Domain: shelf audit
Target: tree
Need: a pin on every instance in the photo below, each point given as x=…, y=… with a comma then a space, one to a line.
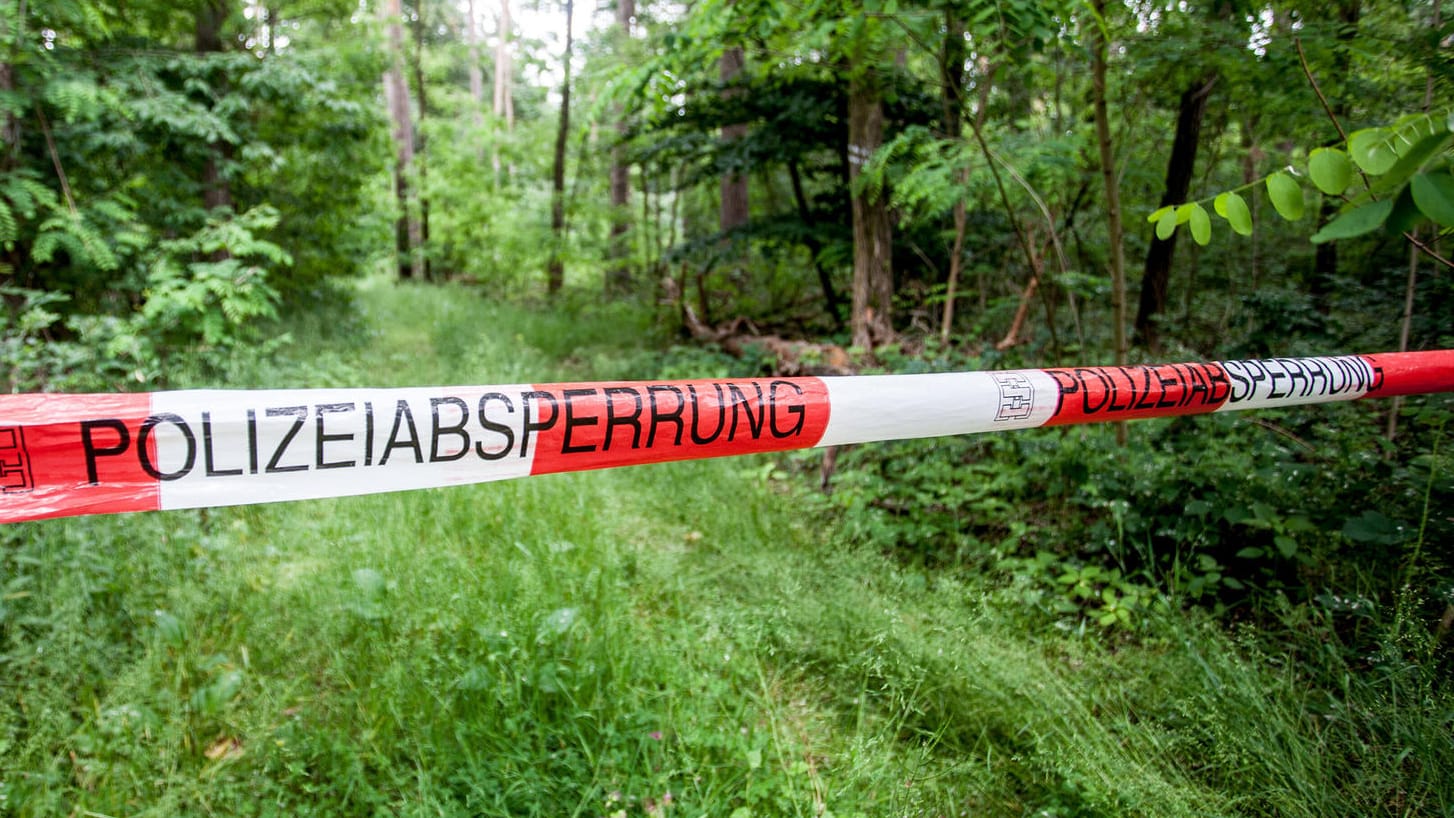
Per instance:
x=408, y=235
x=555, y=267
x=618, y=276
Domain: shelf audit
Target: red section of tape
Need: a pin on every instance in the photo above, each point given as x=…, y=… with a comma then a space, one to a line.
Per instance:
x=599, y=425
x=62, y=455
x=1093, y=394
x=1411, y=373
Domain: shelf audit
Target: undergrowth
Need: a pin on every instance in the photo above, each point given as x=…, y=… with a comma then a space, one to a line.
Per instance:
x=706, y=638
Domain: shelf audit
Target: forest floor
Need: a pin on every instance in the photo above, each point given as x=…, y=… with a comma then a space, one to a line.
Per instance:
x=669, y=640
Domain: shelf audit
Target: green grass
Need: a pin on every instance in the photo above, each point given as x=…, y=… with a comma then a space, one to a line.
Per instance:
x=583, y=645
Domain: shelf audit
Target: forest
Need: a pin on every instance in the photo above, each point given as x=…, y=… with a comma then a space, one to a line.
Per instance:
x=1244, y=614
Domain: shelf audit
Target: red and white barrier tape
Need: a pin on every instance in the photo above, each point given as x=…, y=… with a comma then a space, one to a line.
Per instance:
x=63, y=455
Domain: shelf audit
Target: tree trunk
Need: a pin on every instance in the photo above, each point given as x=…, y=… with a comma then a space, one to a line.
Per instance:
x=735, y=210
x=951, y=74
x=1179, y=170
x=618, y=277
x=873, y=276
x=831, y=299
x=1113, y=191
x=476, y=74
x=407, y=234
x=555, y=268
x=421, y=156
x=504, y=100
x=216, y=190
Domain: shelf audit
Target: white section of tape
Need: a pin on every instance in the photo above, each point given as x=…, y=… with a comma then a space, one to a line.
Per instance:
x=1296, y=381
x=890, y=407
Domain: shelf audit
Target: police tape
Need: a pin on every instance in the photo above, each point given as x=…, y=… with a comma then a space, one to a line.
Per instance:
x=63, y=455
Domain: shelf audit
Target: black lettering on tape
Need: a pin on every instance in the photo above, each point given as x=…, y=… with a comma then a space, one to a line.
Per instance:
x=143, y=446
x=402, y=417
x=795, y=409
x=208, y=457
x=697, y=438
x=740, y=401
x=658, y=416
x=571, y=421
x=497, y=428
x=538, y=425
x=299, y=414
x=633, y=419
x=457, y=430
x=93, y=451
x=325, y=437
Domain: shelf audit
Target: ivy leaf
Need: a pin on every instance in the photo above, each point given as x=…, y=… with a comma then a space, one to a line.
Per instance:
x=1286, y=195
x=1166, y=225
x=1371, y=150
x=1233, y=208
x=1201, y=225
x=1330, y=170
x=1362, y=219
x=1434, y=194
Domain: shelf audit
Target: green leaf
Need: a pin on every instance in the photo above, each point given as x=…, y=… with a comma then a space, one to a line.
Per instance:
x=1411, y=160
x=1330, y=170
x=1286, y=546
x=1201, y=225
x=1286, y=195
x=1233, y=208
x=1153, y=218
x=1434, y=194
x=1405, y=213
x=1356, y=222
x=1371, y=150
x=1166, y=225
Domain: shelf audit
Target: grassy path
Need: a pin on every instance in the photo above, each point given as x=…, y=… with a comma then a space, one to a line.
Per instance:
x=667, y=640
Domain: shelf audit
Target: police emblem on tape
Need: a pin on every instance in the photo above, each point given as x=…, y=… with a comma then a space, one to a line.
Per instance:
x=14, y=464
x=1017, y=396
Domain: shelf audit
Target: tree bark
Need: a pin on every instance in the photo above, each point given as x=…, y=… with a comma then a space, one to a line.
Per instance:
x=735, y=204
x=1113, y=191
x=555, y=268
x=873, y=276
x=476, y=74
x=407, y=234
x=504, y=100
x=618, y=277
x=216, y=191
x=421, y=155
x=951, y=74
x=1179, y=169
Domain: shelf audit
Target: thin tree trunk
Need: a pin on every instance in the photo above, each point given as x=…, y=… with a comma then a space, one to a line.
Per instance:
x=216, y=191
x=504, y=100
x=1113, y=192
x=1179, y=170
x=951, y=73
x=407, y=234
x=555, y=268
x=421, y=156
x=476, y=74
x=873, y=277
x=618, y=277
x=735, y=204
x=831, y=299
